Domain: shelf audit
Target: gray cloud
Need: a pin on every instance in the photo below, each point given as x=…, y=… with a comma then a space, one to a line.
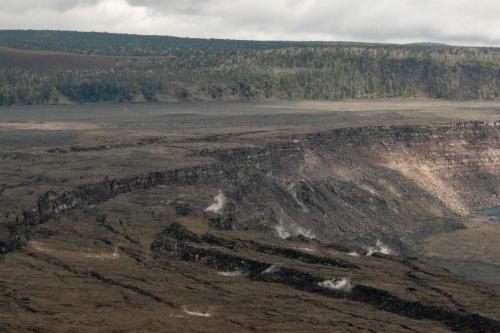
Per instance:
x=452, y=21
x=55, y=5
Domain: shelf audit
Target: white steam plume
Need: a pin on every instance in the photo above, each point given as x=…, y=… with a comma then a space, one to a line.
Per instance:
x=197, y=313
x=353, y=254
x=219, y=203
x=231, y=274
x=307, y=249
x=379, y=248
x=287, y=231
x=343, y=284
x=272, y=269
x=304, y=232
x=282, y=233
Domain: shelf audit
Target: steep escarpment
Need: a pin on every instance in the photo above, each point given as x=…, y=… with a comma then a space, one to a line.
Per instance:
x=396, y=184
x=354, y=186
x=120, y=68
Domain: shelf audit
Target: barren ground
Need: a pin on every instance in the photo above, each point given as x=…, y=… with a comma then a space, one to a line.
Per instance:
x=118, y=266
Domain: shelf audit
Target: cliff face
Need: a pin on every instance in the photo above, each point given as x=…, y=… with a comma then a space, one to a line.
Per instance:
x=151, y=68
x=396, y=184
x=354, y=185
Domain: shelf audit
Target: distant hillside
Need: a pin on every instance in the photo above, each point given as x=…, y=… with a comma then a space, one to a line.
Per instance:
x=50, y=60
x=132, y=45
x=52, y=66
x=428, y=44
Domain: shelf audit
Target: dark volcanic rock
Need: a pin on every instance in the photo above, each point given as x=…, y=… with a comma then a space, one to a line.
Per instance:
x=178, y=243
x=303, y=188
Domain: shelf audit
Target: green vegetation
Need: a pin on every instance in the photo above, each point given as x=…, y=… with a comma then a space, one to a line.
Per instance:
x=134, y=45
x=182, y=68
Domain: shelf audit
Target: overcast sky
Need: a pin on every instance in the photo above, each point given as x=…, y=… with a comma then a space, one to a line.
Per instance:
x=471, y=22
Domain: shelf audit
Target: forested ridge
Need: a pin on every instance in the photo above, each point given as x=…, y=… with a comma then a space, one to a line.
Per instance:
x=157, y=68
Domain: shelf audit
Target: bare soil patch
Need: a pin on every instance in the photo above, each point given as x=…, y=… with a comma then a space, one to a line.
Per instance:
x=49, y=126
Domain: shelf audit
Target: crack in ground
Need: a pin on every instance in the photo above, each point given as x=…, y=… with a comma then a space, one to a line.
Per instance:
x=91, y=273
x=168, y=245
